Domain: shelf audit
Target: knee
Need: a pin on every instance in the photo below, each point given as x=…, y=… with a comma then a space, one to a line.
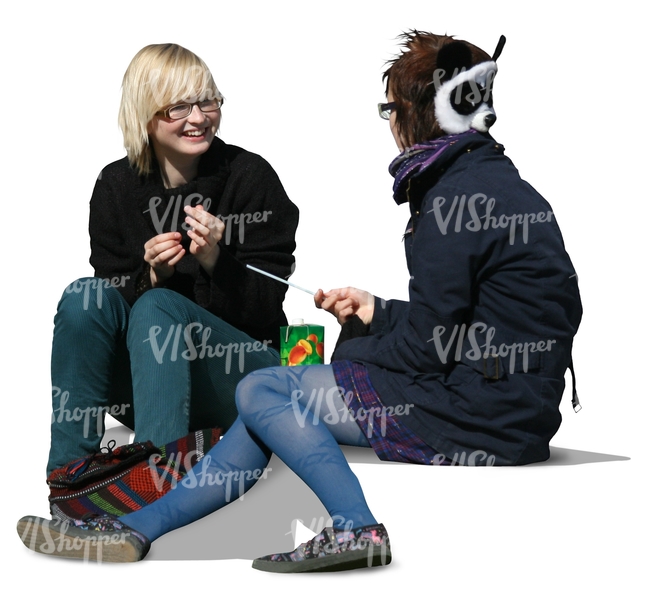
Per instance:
x=156, y=307
x=160, y=300
x=86, y=299
x=248, y=396
x=153, y=298
x=157, y=314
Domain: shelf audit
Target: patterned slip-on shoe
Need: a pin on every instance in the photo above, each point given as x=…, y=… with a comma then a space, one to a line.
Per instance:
x=101, y=539
x=333, y=550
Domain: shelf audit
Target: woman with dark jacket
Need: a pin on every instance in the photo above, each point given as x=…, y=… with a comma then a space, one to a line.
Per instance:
x=470, y=370
x=172, y=319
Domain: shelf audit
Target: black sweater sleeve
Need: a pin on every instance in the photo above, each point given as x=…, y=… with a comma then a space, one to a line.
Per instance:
x=112, y=254
x=261, y=223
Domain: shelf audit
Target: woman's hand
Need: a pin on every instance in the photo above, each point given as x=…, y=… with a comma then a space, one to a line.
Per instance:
x=162, y=253
x=206, y=232
x=345, y=302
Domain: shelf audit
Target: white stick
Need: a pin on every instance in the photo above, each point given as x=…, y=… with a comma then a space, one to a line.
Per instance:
x=282, y=280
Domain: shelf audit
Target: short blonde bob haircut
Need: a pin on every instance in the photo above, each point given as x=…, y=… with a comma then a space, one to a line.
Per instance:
x=158, y=76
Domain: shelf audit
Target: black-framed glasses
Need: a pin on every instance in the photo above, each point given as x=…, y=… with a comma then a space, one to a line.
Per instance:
x=385, y=109
x=184, y=109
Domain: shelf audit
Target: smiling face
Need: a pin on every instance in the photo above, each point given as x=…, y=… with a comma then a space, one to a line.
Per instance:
x=183, y=139
x=160, y=76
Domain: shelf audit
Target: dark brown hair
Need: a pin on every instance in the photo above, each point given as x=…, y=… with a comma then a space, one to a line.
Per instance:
x=410, y=78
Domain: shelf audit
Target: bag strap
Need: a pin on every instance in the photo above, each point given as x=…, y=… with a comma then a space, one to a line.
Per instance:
x=577, y=407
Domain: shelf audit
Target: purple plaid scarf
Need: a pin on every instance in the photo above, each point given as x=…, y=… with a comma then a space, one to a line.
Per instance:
x=416, y=159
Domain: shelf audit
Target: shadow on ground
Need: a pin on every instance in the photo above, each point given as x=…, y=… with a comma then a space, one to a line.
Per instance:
x=256, y=524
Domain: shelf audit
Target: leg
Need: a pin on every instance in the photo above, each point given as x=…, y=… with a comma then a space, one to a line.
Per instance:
x=89, y=366
x=225, y=473
x=186, y=364
x=299, y=413
x=298, y=433
x=243, y=455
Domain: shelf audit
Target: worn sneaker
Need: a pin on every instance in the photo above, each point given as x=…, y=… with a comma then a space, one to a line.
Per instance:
x=101, y=539
x=333, y=550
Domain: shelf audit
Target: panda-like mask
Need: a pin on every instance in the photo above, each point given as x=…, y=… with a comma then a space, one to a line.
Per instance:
x=463, y=96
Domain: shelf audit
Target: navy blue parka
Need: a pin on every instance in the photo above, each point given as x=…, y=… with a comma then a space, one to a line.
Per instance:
x=481, y=348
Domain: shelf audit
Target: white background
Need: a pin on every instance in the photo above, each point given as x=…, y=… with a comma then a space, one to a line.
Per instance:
x=301, y=83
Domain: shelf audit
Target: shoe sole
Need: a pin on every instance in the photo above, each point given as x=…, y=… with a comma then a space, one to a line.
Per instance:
x=348, y=560
x=58, y=538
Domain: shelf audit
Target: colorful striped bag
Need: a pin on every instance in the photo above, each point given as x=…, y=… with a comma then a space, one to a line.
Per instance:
x=120, y=480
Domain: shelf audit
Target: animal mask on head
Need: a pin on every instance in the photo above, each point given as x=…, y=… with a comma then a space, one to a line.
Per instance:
x=463, y=90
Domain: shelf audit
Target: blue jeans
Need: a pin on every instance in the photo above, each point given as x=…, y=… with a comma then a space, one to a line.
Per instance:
x=163, y=368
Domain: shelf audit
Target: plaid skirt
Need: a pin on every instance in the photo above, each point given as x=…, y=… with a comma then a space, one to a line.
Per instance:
x=391, y=440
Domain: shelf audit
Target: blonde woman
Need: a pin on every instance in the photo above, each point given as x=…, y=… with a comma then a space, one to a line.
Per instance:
x=173, y=319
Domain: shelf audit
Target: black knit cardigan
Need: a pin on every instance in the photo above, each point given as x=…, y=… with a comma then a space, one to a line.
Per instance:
x=127, y=209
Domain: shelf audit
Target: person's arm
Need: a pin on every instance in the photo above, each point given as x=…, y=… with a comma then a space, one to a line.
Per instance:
x=260, y=231
x=359, y=312
x=111, y=256
x=162, y=253
x=205, y=233
x=421, y=335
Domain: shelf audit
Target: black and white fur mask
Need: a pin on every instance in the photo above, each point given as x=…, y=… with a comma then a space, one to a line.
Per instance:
x=463, y=95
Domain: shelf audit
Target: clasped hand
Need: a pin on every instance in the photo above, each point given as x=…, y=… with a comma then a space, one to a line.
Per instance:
x=163, y=251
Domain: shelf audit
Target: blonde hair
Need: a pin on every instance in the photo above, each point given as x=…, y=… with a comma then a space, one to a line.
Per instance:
x=158, y=76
